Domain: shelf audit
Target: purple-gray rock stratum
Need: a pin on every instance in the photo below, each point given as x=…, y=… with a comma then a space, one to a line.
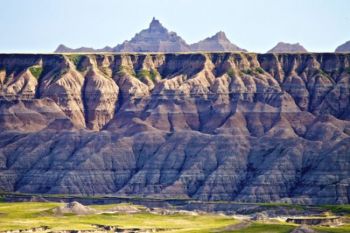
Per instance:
x=208, y=126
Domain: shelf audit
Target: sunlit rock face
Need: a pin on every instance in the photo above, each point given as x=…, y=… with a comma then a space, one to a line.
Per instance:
x=207, y=126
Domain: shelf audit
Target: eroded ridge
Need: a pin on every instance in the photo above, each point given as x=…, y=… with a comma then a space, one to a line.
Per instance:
x=211, y=126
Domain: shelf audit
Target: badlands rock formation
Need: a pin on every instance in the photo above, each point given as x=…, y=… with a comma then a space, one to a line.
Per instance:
x=218, y=42
x=156, y=38
x=208, y=126
x=344, y=48
x=282, y=47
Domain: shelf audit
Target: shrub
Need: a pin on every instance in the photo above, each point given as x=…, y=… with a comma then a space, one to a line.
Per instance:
x=148, y=74
x=36, y=71
x=153, y=74
x=76, y=59
x=231, y=72
x=143, y=73
x=259, y=70
x=247, y=71
x=125, y=70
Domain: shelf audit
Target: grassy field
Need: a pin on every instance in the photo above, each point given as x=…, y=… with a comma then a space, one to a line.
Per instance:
x=267, y=228
x=26, y=215
x=29, y=215
x=337, y=209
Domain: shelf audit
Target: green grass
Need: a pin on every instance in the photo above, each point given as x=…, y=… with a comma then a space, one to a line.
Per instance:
x=152, y=74
x=31, y=214
x=267, y=228
x=75, y=58
x=248, y=72
x=123, y=70
x=259, y=70
x=337, y=209
x=286, y=205
x=340, y=229
x=323, y=73
x=36, y=71
x=26, y=215
x=231, y=72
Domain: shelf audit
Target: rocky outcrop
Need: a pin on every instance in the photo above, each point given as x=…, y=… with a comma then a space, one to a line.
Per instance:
x=74, y=208
x=156, y=38
x=324, y=221
x=344, y=48
x=218, y=42
x=208, y=126
x=282, y=47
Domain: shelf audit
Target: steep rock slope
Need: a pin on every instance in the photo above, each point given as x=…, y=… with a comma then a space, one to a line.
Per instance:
x=208, y=126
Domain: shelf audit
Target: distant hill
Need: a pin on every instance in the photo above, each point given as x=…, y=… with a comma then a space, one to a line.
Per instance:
x=64, y=49
x=343, y=48
x=282, y=47
x=156, y=38
x=218, y=42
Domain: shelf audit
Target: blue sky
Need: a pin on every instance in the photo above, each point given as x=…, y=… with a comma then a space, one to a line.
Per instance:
x=256, y=25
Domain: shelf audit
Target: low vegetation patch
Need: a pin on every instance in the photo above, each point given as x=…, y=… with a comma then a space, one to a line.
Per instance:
x=340, y=229
x=36, y=71
x=259, y=70
x=248, y=72
x=76, y=59
x=231, y=72
x=337, y=209
x=124, y=70
x=152, y=74
x=285, y=205
x=34, y=214
x=270, y=228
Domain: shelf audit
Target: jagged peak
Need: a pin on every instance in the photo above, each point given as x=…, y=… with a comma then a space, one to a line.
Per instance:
x=220, y=35
x=61, y=46
x=155, y=25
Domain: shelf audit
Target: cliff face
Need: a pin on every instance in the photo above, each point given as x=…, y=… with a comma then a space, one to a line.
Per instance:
x=220, y=126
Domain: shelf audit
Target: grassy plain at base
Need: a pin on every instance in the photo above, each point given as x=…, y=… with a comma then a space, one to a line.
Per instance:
x=32, y=214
